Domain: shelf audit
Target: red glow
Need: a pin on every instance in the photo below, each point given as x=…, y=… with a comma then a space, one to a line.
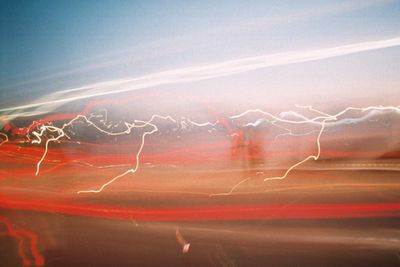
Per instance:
x=228, y=212
x=23, y=235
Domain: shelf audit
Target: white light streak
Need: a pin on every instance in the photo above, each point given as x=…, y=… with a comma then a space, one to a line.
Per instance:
x=192, y=74
x=322, y=121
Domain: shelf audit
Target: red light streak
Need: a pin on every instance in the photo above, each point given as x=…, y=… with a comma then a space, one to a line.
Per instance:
x=23, y=236
x=225, y=212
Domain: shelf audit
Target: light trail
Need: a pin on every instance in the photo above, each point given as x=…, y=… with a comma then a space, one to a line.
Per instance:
x=325, y=118
x=48, y=133
x=133, y=170
x=290, y=133
x=5, y=140
x=61, y=133
x=129, y=127
x=38, y=135
x=207, y=213
x=22, y=235
x=191, y=74
x=314, y=157
x=322, y=120
x=314, y=110
x=182, y=241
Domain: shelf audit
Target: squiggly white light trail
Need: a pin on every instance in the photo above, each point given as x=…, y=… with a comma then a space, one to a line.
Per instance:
x=133, y=170
x=61, y=133
x=325, y=118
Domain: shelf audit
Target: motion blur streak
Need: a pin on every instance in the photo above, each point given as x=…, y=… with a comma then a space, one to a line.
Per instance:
x=190, y=74
x=22, y=236
x=237, y=212
x=200, y=133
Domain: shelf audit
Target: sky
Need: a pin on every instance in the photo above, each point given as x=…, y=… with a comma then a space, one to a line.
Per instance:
x=47, y=47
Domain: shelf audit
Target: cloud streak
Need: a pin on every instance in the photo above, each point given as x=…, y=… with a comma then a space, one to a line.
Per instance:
x=191, y=74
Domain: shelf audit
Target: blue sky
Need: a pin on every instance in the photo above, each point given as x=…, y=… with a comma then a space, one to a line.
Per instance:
x=55, y=45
